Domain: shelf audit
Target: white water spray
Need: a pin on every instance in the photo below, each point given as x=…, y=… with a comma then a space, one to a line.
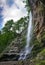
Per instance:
x=27, y=48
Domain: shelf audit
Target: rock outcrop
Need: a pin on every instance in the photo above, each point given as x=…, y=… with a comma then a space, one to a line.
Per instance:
x=38, y=13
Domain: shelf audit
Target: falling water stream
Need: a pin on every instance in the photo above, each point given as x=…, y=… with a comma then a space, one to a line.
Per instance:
x=27, y=48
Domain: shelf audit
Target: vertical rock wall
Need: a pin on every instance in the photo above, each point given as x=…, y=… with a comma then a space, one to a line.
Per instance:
x=38, y=17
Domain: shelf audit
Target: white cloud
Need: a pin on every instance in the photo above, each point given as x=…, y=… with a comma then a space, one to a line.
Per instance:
x=15, y=12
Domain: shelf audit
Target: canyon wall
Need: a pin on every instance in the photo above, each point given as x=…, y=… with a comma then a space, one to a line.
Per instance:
x=38, y=13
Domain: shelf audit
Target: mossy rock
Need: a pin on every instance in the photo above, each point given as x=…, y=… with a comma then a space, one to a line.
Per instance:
x=41, y=63
x=41, y=55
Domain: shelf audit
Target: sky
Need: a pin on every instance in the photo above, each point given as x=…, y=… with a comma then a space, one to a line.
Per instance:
x=11, y=9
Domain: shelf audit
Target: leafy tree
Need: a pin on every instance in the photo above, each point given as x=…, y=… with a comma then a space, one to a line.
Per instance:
x=5, y=40
x=0, y=32
x=22, y=23
x=8, y=35
x=8, y=25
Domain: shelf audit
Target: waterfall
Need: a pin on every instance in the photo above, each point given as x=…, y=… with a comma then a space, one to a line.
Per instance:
x=27, y=48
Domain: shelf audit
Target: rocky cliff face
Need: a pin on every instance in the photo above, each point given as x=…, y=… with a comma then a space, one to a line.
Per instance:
x=38, y=14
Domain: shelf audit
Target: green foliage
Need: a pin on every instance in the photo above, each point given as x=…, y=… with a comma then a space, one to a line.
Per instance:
x=8, y=34
x=20, y=24
x=5, y=40
x=41, y=62
x=38, y=46
x=8, y=26
x=42, y=54
x=28, y=6
x=0, y=32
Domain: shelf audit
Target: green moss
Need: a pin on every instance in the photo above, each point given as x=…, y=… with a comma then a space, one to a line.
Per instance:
x=41, y=63
x=42, y=52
